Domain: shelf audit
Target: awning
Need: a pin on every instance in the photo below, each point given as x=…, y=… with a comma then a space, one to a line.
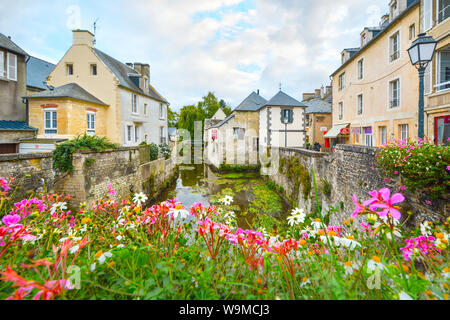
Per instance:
x=336, y=130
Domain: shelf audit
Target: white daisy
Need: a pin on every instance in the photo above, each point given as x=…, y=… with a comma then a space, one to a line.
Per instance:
x=227, y=200
x=139, y=198
x=61, y=206
x=297, y=216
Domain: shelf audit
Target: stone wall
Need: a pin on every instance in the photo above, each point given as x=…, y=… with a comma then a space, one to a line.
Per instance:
x=349, y=170
x=128, y=170
x=30, y=171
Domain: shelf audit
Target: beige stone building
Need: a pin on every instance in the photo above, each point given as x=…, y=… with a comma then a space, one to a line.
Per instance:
x=435, y=22
x=93, y=93
x=376, y=89
x=318, y=115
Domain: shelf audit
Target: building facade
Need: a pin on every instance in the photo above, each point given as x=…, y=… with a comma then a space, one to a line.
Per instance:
x=13, y=111
x=318, y=116
x=434, y=20
x=376, y=89
x=118, y=100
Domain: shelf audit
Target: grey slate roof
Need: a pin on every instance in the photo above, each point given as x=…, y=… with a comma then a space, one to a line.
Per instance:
x=122, y=72
x=15, y=125
x=7, y=44
x=221, y=123
x=71, y=90
x=37, y=72
x=384, y=28
x=317, y=106
x=284, y=100
x=252, y=103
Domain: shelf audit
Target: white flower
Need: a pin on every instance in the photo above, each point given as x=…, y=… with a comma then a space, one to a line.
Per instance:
x=350, y=267
x=101, y=259
x=227, y=200
x=305, y=282
x=58, y=206
x=230, y=215
x=180, y=213
x=70, y=235
x=119, y=238
x=74, y=249
x=317, y=225
x=346, y=242
x=297, y=216
x=139, y=198
x=372, y=265
x=425, y=228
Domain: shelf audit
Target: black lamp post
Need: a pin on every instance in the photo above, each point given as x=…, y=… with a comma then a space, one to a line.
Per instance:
x=421, y=53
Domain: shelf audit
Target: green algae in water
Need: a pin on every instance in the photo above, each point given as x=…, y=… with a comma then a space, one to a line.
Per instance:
x=266, y=200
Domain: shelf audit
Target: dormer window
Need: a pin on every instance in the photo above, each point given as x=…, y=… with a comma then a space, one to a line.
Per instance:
x=394, y=10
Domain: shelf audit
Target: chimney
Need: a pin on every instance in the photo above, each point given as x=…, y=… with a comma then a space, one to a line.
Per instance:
x=384, y=19
x=317, y=92
x=257, y=92
x=322, y=92
x=328, y=90
x=83, y=37
x=130, y=65
x=142, y=68
x=9, y=37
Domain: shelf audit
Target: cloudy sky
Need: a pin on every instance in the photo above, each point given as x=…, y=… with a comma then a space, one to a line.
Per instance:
x=231, y=47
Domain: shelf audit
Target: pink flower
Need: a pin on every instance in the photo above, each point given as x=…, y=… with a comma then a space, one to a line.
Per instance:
x=386, y=180
x=388, y=204
x=111, y=191
x=448, y=168
x=428, y=202
x=424, y=244
x=402, y=188
x=359, y=208
x=4, y=184
x=396, y=172
x=11, y=219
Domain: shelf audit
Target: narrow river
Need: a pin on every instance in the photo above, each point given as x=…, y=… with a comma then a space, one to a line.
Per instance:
x=252, y=196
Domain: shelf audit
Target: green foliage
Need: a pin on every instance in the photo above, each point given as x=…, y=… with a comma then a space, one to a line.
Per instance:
x=325, y=188
x=89, y=162
x=172, y=117
x=295, y=171
x=421, y=165
x=63, y=153
x=154, y=152
x=238, y=168
x=164, y=149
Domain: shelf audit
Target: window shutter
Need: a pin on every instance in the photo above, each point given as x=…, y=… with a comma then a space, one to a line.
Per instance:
x=291, y=116
x=12, y=66
x=2, y=64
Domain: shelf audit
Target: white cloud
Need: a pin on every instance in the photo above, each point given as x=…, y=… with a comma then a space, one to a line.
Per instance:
x=200, y=45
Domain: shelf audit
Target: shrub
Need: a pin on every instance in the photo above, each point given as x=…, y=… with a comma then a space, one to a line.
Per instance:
x=63, y=153
x=421, y=165
x=154, y=151
x=165, y=151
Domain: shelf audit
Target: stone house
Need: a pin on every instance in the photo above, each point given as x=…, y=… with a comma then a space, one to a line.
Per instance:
x=234, y=140
x=13, y=113
x=318, y=115
x=282, y=122
x=436, y=23
x=109, y=98
x=376, y=89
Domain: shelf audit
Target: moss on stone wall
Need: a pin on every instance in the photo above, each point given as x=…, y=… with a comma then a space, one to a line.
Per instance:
x=295, y=171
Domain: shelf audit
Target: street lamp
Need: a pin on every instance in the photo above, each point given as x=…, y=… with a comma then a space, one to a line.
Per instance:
x=421, y=53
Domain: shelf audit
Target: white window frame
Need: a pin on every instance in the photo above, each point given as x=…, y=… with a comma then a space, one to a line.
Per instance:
x=399, y=46
x=383, y=138
x=360, y=71
x=134, y=104
x=136, y=133
x=360, y=105
x=161, y=111
x=129, y=133
x=2, y=65
x=91, y=131
x=390, y=95
x=402, y=132
x=341, y=80
x=53, y=114
x=341, y=110
x=440, y=86
x=427, y=13
x=366, y=136
x=11, y=75
x=437, y=12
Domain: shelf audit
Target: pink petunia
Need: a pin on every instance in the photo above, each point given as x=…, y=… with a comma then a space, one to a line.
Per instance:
x=11, y=219
x=358, y=208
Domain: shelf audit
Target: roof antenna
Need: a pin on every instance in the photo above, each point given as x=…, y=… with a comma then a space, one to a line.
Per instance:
x=95, y=30
x=280, y=86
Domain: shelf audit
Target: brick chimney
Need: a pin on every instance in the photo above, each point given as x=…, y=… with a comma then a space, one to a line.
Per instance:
x=307, y=96
x=318, y=93
x=83, y=37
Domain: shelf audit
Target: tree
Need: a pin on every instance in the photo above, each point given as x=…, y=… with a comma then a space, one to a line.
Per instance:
x=172, y=117
x=225, y=107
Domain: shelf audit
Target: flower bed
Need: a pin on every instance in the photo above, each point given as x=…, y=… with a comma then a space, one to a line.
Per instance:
x=121, y=250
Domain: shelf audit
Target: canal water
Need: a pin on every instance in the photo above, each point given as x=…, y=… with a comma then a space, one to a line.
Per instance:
x=252, y=196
